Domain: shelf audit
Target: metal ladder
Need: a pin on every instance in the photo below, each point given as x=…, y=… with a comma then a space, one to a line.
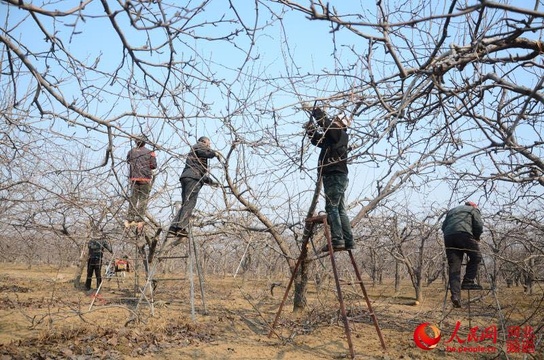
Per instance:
x=311, y=221
x=147, y=291
x=470, y=314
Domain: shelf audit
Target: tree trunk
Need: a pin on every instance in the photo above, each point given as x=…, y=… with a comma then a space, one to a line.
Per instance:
x=301, y=282
x=418, y=287
x=397, y=277
x=79, y=270
x=301, y=277
x=373, y=271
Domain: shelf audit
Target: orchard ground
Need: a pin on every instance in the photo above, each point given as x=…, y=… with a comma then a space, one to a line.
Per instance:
x=43, y=316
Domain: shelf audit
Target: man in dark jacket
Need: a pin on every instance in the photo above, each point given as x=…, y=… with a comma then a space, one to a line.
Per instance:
x=142, y=161
x=332, y=138
x=193, y=177
x=94, y=262
x=462, y=229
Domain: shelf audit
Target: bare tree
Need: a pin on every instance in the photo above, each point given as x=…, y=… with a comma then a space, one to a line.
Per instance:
x=448, y=99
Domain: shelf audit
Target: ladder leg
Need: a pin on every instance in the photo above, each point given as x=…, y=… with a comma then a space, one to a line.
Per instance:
x=198, y=267
x=191, y=280
x=136, y=269
x=301, y=258
x=469, y=311
x=338, y=289
x=150, y=274
x=150, y=270
x=368, y=304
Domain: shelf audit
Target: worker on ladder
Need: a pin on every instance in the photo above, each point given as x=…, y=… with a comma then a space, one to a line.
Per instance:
x=332, y=138
x=194, y=176
x=462, y=229
x=142, y=161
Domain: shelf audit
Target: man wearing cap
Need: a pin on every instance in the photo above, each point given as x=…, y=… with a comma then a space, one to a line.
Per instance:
x=142, y=161
x=332, y=138
x=462, y=229
x=193, y=177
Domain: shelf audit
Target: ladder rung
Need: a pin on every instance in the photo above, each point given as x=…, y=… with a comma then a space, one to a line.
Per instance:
x=353, y=282
x=319, y=218
x=168, y=279
x=482, y=289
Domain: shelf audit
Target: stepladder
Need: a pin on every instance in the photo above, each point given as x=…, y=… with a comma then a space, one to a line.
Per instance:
x=479, y=302
x=162, y=256
x=158, y=259
x=331, y=253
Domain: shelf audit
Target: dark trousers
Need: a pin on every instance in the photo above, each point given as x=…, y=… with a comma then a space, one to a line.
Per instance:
x=94, y=265
x=138, y=201
x=456, y=246
x=335, y=186
x=189, y=195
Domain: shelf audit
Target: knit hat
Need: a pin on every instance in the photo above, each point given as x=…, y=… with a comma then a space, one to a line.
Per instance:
x=343, y=120
x=470, y=203
x=140, y=140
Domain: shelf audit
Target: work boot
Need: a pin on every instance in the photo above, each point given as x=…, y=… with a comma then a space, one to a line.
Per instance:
x=350, y=246
x=175, y=231
x=176, y=242
x=129, y=223
x=336, y=246
x=470, y=285
x=456, y=301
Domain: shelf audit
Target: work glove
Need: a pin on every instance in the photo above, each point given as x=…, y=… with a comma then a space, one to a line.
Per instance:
x=310, y=128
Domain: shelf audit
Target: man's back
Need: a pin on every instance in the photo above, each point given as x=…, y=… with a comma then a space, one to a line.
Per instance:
x=141, y=161
x=196, y=165
x=463, y=219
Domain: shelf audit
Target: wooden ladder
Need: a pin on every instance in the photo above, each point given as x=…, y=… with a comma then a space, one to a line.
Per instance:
x=311, y=221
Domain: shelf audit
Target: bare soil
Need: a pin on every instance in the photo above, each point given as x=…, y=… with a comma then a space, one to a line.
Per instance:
x=43, y=316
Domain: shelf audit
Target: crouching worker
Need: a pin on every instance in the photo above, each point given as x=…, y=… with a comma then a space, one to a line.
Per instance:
x=94, y=262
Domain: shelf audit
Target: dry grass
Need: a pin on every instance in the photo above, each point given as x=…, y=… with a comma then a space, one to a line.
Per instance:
x=44, y=316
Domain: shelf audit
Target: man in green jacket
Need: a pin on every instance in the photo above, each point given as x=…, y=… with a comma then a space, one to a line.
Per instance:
x=462, y=229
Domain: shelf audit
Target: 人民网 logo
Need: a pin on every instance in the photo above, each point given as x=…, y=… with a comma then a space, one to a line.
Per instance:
x=423, y=340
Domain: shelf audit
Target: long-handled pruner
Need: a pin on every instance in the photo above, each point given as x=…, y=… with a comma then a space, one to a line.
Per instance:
x=308, y=124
